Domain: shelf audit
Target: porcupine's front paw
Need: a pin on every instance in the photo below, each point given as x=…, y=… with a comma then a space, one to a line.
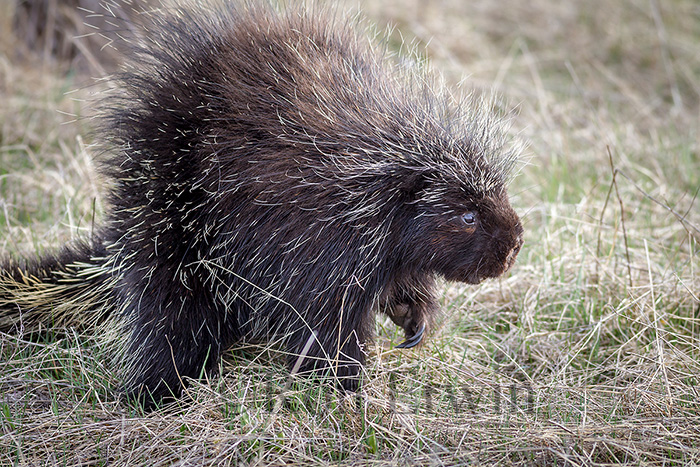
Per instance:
x=413, y=320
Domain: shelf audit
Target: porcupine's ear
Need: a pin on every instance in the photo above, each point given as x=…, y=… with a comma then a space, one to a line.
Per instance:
x=413, y=182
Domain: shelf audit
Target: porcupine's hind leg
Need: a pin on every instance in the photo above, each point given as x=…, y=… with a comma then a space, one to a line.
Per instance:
x=174, y=331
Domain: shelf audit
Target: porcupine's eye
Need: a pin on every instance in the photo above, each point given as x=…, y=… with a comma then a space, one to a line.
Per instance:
x=468, y=219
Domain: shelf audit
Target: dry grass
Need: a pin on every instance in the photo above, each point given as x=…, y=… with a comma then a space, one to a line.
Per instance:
x=586, y=354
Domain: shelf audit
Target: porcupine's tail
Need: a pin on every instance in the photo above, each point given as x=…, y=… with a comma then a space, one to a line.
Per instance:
x=73, y=288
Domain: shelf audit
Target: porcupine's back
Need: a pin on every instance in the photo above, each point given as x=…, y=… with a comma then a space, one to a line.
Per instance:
x=246, y=97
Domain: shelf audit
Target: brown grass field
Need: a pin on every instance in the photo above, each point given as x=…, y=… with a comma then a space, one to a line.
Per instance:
x=587, y=353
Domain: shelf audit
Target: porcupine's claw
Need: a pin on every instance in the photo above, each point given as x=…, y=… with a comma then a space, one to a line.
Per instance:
x=414, y=340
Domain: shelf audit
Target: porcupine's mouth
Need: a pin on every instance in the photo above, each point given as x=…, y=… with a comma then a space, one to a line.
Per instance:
x=475, y=276
x=494, y=270
x=465, y=275
x=474, y=279
x=481, y=274
x=471, y=277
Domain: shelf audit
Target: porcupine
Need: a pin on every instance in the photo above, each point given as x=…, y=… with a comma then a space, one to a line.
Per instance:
x=275, y=176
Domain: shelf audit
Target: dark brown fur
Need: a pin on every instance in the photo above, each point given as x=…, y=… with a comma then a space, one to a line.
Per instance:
x=276, y=178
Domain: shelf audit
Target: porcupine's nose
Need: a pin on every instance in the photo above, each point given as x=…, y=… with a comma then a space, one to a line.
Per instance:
x=513, y=253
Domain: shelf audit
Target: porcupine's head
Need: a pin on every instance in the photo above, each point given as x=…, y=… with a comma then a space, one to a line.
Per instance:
x=462, y=226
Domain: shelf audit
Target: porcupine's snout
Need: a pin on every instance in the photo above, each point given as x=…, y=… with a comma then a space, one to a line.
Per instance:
x=513, y=253
x=507, y=248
